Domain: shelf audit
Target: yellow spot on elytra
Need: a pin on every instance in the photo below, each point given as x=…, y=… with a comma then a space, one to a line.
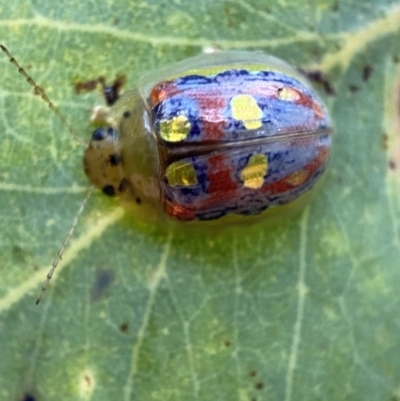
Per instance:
x=246, y=109
x=288, y=94
x=176, y=129
x=254, y=172
x=181, y=174
x=297, y=178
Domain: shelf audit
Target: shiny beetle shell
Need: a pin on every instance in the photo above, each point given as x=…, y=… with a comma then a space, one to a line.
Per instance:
x=229, y=133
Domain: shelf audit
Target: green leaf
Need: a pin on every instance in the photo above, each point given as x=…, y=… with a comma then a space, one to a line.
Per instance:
x=306, y=308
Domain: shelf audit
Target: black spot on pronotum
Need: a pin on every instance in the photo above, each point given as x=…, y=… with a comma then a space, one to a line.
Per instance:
x=367, y=71
x=99, y=134
x=115, y=159
x=126, y=114
x=124, y=327
x=109, y=190
x=123, y=185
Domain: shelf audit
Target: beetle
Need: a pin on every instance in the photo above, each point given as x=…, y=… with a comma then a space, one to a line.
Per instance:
x=227, y=133
x=222, y=134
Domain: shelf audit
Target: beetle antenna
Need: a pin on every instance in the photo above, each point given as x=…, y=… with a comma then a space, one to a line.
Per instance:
x=61, y=251
x=40, y=91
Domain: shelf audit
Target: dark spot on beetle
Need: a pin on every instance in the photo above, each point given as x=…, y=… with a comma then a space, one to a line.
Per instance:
x=385, y=139
x=99, y=134
x=109, y=190
x=253, y=373
x=126, y=114
x=124, y=327
x=104, y=279
x=123, y=185
x=115, y=159
x=335, y=7
x=367, y=71
x=138, y=201
x=392, y=165
x=28, y=397
x=227, y=343
x=320, y=78
x=259, y=386
x=354, y=88
x=111, y=132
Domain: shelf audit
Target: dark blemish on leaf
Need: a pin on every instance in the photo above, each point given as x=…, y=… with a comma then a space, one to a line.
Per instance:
x=104, y=279
x=138, y=201
x=253, y=373
x=253, y=399
x=124, y=327
x=320, y=78
x=354, y=88
x=116, y=21
x=115, y=159
x=335, y=7
x=227, y=343
x=396, y=59
x=392, y=165
x=384, y=142
x=367, y=71
x=28, y=397
x=86, y=86
x=234, y=16
x=19, y=253
x=87, y=382
x=259, y=386
x=126, y=114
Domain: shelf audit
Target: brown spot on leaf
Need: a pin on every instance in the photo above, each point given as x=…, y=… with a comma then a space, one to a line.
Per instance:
x=354, y=88
x=392, y=165
x=104, y=279
x=124, y=327
x=367, y=71
x=253, y=373
x=259, y=386
x=384, y=142
x=320, y=78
